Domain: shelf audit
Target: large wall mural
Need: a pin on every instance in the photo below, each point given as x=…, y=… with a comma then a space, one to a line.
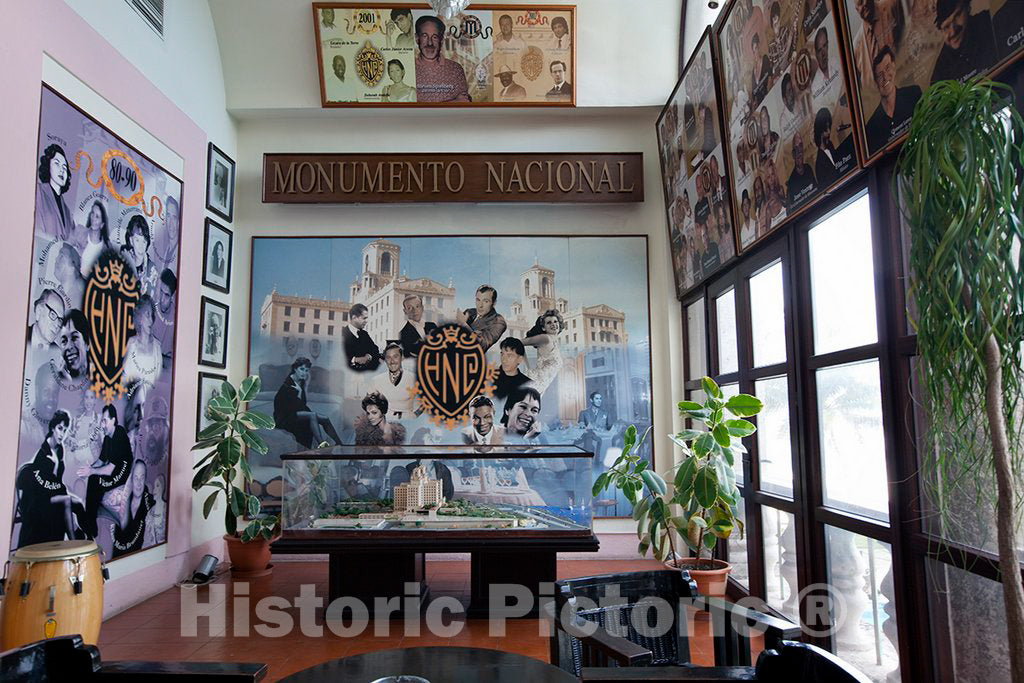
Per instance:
x=94, y=443
x=337, y=326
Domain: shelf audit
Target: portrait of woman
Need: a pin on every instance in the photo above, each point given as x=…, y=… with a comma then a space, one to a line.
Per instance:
x=544, y=337
x=218, y=261
x=143, y=358
x=398, y=90
x=129, y=532
x=156, y=524
x=708, y=125
x=136, y=250
x=53, y=217
x=763, y=219
x=521, y=414
x=373, y=428
x=97, y=237
x=46, y=508
x=293, y=414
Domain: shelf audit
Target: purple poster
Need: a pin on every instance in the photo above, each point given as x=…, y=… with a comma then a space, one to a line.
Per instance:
x=94, y=444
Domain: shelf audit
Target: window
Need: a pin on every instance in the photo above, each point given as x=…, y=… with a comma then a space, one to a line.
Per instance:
x=287, y=310
x=316, y=329
x=330, y=315
x=302, y=312
x=302, y=328
x=316, y=313
x=330, y=330
x=287, y=326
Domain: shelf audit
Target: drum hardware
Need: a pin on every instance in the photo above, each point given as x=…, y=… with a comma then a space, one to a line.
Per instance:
x=3, y=581
x=53, y=596
x=76, y=578
x=26, y=586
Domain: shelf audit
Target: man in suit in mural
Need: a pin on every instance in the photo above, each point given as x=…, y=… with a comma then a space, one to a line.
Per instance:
x=360, y=351
x=484, y=320
x=110, y=471
x=562, y=89
x=414, y=332
x=968, y=42
x=482, y=430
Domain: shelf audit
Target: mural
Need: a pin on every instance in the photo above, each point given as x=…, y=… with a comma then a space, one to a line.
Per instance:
x=338, y=325
x=94, y=443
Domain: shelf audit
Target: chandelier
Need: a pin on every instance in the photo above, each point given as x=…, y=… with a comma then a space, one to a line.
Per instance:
x=449, y=8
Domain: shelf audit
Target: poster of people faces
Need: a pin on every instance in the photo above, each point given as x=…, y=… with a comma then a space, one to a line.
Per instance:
x=407, y=54
x=697, y=193
x=788, y=122
x=900, y=47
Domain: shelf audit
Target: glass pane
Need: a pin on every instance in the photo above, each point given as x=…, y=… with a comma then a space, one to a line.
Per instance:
x=767, y=317
x=780, y=560
x=725, y=314
x=728, y=391
x=842, y=279
x=851, y=439
x=738, y=549
x=774, y=448
x=696, y=340
x=968, y=612
x=860, y=572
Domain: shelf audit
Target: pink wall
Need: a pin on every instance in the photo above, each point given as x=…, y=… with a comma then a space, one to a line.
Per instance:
x=29, y=29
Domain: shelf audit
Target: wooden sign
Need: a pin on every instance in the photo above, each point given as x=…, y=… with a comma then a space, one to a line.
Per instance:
x=395, y=178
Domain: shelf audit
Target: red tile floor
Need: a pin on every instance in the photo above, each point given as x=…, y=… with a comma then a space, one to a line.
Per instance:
x=152, y=629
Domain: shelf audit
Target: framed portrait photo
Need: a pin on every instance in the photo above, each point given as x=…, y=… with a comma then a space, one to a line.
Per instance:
x=697, y=193
x=213, y=337
x=220, y=182
x=897, y=48
x=406, y=55
x=209, y=386
x=789, y=127
x=217, y=243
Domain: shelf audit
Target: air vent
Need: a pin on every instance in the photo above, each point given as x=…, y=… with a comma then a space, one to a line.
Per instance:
x=152, y=11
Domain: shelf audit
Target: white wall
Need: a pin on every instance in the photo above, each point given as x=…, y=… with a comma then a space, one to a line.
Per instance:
x=185, y=66
x=618, y=130
x=626, y=52
x=698, y=17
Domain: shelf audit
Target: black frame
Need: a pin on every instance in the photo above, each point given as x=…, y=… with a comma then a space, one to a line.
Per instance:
x=210, y=223
x=210, y=149
x=204, y=376
x=206, y=302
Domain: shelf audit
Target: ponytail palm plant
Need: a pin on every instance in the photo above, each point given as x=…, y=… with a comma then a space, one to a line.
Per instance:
x=959, y=174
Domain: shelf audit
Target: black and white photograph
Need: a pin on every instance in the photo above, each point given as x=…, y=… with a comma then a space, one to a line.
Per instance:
x=220, y=182
x=217, y=243
x=209, y=387
x=213, y=337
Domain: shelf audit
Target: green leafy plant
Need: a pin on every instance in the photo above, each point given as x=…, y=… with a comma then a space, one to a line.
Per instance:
x=704, y=484
x=959, y=173
x=233, y=428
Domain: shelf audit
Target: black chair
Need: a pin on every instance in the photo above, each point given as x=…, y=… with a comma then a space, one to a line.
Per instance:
x=788, y=662
x=617, y=642
x=67, y=658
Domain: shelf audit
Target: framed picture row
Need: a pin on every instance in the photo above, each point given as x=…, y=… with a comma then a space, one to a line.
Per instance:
x=405, y=55
x=782, y=101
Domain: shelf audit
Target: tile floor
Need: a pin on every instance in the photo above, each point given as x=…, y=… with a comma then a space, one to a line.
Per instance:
x=152, y=630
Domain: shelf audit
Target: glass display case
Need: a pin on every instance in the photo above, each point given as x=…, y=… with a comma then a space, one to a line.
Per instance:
x=353, y=491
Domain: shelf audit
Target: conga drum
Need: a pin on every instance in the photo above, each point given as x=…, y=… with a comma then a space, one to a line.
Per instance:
x=53, y=589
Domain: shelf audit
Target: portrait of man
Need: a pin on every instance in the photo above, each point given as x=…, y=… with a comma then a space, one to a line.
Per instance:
x=338, y=66
x=595, y=423
x=414, y=333
x=895, y=106
x=510, y=377
x=163, y=325
x=108, y=472
x=560, y=28
x=488, y=324
x=395, y=383
x=826, y=76
x=562, y=89
x=220, y=183
x=508, y=89
x=884, y=25
x=747, y=225
x=213, y=335
x=830, y=162
x=482, y=431
x=760, y=77
x=438, y=79
x=506, y=42
x=795, y=110
x=327, y=18
x=709, y=256
x=401, y=19
x=48, y=311
x=1008, y=22
x=801, y=184
x=360, y=350
x=968, y=44
x=74, y=348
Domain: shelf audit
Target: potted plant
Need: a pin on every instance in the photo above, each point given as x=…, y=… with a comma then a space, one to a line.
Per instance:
x=959, y=173
x=704, y=486
x=232, y=429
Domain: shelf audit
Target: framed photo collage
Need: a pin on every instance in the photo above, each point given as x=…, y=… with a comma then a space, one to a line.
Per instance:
x=782, y=101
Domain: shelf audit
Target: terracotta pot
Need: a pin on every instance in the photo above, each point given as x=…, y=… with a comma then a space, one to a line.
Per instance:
x=249, y=560
x=711, y=583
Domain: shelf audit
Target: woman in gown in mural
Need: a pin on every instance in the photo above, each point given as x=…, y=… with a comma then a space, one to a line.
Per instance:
x=373, y=428
x=129, y=533
x=143, y=359
x=45, y=506
x=544, y=337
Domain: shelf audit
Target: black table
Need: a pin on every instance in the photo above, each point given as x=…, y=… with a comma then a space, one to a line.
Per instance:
x=437, y=665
